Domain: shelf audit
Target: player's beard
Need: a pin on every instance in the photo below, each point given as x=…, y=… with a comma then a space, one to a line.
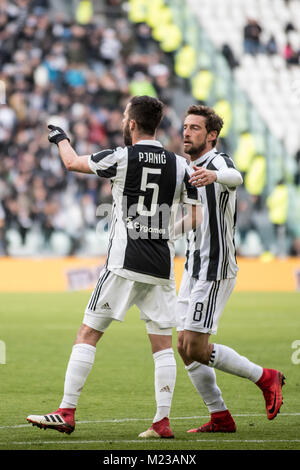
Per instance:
x=196, y=151
x=126, y=135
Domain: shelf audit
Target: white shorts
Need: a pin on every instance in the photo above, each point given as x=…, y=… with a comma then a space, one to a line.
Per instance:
x=201, y=303
x=114, y=295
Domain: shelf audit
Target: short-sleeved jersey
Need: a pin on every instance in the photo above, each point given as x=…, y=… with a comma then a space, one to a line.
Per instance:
x=211, y=253
x=148, y=184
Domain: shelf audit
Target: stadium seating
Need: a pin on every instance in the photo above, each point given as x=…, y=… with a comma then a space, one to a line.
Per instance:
x=267, y=71
x=78, y=68
x=271, y=83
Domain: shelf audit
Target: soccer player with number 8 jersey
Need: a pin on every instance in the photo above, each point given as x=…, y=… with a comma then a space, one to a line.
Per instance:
x=210, y=275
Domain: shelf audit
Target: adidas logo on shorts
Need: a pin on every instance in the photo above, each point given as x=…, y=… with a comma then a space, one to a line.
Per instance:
x=106, y=306
x=165, y=389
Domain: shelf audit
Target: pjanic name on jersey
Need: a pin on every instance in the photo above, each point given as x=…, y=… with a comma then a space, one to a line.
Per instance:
x=152, y=157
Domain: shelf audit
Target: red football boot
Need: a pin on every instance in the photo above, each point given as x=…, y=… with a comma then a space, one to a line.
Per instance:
x=271, y=383
x=62, y=420
x=220, y=421
x=159, y=429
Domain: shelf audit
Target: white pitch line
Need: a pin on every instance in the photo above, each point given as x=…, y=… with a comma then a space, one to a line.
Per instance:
x=125, y=420
x=148, y=441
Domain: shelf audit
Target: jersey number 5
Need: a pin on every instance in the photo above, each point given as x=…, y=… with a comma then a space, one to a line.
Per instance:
x=146, y=185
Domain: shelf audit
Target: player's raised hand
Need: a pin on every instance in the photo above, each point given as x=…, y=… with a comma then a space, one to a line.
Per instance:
x=56, y=134
x=202, y=177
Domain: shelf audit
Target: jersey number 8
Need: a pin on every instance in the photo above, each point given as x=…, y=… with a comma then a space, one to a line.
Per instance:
x=198, y=311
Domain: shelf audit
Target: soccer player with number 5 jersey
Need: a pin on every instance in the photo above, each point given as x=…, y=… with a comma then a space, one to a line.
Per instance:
x=148, y=185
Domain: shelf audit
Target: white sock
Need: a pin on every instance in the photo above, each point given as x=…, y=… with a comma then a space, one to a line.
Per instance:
x=228, y=360
x=79, y=366
x=165, y=377
x=204, y=380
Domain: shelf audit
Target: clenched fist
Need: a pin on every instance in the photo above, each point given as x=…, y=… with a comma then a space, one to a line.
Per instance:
x=57, y=134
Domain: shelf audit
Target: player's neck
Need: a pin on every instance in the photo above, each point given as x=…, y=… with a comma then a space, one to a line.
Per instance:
x=195, y=156
x=137, y=137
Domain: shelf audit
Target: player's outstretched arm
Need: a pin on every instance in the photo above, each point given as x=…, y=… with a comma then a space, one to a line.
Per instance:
x=224, y=175
x=69, y=157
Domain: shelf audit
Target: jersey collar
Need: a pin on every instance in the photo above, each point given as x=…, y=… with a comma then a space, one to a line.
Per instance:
x=207, y=156
x=156, y=143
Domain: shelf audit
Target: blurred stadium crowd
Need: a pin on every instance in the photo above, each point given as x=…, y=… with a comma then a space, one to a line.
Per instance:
x=78, y=75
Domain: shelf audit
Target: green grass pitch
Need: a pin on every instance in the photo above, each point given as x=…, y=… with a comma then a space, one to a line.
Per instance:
x=117, y=402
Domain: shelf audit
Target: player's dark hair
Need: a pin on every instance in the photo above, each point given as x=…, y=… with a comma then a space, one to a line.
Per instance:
x=147, y=112
x=213, y=122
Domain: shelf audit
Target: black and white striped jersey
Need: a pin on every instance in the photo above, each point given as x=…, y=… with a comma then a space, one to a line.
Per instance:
x=211, y=253
x=148, y=184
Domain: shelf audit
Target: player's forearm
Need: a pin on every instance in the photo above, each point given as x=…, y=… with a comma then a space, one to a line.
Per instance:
x=67, y=154
x=229, y=176
x=71, y=160
x=190, y=221
x=224, y=175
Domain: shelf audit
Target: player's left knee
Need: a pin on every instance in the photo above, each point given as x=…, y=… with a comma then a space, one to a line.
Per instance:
x=196, y=352
x=88, y=335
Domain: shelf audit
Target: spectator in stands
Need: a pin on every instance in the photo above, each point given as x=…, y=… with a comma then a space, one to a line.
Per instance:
x=297, y=174
x=277, y=203
x=229, y=56
x=289, y=27
x=143, y=35
x=271, y=46
x=252, y=33
x=290, y=54
x=246, y=206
